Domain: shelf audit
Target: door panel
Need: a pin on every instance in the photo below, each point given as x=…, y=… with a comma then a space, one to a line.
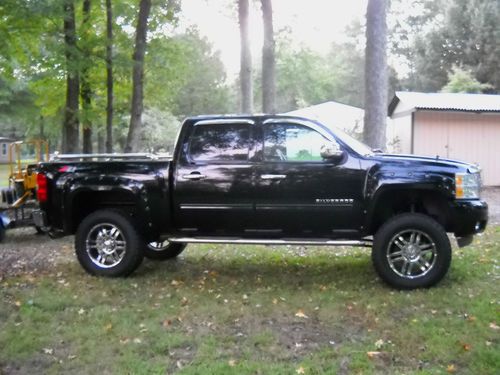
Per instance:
x=214, y=180
x=298, y=193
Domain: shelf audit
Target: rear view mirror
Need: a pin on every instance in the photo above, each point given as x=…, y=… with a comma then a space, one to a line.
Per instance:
x=331, y=151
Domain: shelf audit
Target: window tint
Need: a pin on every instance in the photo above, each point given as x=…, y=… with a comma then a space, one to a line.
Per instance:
x=290, y=142
x=229, y=142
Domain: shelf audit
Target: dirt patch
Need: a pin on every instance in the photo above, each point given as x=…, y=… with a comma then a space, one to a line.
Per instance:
x=25, y=251
x=492, y=196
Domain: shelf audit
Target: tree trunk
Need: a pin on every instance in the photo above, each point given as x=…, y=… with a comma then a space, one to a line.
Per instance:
x=376, y=75
x=268, y=60
x=109, y=76
x=86, y=91
x=135, y=126
x=71, y=123
x=100, y=141
x=245, y=59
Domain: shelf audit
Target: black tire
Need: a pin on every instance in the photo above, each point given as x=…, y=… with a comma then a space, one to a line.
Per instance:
x=163, y=250
x=2, y=233
x=118, y=249
x=407, y=262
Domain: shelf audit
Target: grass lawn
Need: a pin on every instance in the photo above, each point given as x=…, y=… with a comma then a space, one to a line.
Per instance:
x=255, y=310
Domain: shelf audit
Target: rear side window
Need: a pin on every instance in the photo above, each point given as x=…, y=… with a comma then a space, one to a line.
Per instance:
x=220, y=142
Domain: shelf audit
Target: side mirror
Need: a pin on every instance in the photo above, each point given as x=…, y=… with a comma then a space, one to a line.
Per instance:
x=331, y=151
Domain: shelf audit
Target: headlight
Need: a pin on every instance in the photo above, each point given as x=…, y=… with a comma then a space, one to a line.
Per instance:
x=467, y=185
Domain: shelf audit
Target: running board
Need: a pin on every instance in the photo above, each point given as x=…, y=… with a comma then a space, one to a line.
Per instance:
x=251, y=241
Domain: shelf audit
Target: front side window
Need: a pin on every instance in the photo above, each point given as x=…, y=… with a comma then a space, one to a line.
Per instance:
x=220, y=142
x=291, y=142
x=4, y=148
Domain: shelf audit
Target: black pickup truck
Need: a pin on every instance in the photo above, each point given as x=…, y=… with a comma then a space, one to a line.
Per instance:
x=263, y=180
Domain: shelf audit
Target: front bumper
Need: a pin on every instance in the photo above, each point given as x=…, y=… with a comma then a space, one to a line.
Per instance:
x=468, y=217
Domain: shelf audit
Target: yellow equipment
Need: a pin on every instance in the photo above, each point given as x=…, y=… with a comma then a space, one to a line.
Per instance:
x=22, y=178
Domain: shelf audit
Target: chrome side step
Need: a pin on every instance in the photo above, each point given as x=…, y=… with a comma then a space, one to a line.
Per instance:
x=252, y=241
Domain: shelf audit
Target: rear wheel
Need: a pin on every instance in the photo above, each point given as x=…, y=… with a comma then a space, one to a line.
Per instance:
x=107, y=244
x=163, y=250
x=411, y=251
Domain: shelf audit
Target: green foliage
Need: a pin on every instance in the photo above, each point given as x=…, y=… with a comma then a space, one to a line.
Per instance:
x=450, y=33
x=462, y=81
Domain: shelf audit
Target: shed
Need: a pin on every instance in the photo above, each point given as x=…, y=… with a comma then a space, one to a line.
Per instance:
x=456, y=126
x=4, y=149
x=339, y=115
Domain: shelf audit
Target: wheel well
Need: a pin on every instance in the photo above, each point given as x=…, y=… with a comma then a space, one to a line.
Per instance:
x=395, y=202
x=86, y=202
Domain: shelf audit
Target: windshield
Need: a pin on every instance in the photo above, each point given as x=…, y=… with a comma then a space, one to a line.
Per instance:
x=353, y=143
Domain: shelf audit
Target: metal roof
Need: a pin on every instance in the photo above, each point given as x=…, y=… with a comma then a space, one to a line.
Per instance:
x=446, y=101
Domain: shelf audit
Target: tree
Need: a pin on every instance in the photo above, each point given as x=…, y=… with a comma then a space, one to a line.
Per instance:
x=201, y=83
x=85, y=88
x=462, y=81
x=448, y=33
x=376, y=76
x=245, y=59
x=109, y=76
x=71, y=123
x=138, y=77
x=268, y=60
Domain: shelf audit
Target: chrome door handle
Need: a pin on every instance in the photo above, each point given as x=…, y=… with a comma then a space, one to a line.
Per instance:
x=194, y=176
x=273, y=176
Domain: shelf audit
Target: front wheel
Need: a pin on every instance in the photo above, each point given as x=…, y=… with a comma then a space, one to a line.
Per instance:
x=411, y=251
x=107, y=244
x=163, y=250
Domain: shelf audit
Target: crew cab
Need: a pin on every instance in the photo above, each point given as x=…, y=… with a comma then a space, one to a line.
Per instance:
x=263, y=180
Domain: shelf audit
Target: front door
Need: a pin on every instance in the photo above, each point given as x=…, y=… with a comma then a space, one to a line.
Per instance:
x=213, y=179
x=300, y=194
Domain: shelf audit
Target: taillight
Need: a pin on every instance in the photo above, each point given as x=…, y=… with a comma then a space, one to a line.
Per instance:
x=41, y=191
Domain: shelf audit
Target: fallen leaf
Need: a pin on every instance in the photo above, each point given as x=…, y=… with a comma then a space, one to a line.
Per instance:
x=48, y=350
x=372, y=355
x=166, y=323
x=466, y=347
x=232, y=362
x=70, y=357
x=322, y=288
x=471, y=318
x=184, y=301
x=245, y=296
x=81, y=311
x=300, y=314
x=108, y=327
x=175, y=283
x=494, y=326
x=137, y=340
x=451, y=368
x=300, y=370
x=17, y=303
x=275, y=301
x=379, y=343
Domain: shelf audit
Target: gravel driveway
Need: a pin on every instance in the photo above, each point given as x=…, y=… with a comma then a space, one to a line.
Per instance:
x=24, y=251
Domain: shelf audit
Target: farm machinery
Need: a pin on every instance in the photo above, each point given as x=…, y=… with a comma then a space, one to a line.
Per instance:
x=19, y=198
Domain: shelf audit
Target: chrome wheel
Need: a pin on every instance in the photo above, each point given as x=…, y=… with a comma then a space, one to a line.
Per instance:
x=105, y=245
x=158, y=245
x=411, y=253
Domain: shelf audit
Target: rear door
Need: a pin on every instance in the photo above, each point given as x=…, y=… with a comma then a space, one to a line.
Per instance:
x=213, y=186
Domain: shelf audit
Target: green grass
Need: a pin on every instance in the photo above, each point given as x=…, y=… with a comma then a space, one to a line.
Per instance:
x=233, y=309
